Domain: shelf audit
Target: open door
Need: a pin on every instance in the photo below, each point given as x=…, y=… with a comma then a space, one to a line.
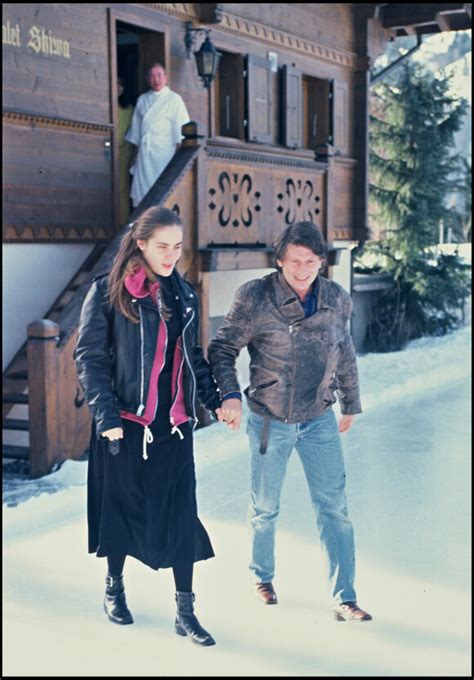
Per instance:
x=134, y=49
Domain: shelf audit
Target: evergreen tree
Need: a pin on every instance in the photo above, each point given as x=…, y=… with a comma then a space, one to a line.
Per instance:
x=412, y=128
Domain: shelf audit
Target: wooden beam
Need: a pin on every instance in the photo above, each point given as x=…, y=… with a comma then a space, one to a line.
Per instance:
x=214, y=260
x=443, y=21
x=396, y=15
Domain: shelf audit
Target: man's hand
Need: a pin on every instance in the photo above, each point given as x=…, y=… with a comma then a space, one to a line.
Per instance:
x=231, y=413
x=345, y=423
x=114, y=433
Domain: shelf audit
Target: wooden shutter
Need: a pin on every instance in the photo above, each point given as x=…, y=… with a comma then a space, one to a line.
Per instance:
x=259, y=99
x=319, y=112
x=292, y=107
x=231, y=96
x=339, y=115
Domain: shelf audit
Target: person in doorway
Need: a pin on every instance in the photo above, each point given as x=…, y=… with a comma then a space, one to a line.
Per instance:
x=125, y=113
x=155, y=131
x=143, y=372
x=294, y=323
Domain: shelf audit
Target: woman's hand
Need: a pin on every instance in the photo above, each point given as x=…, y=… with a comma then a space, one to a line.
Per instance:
x=114, y=433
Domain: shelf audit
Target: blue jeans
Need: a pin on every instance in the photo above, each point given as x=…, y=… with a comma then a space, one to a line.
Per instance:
x=318, y=444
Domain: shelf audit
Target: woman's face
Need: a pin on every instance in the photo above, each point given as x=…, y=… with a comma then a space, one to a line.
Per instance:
x=163, y=249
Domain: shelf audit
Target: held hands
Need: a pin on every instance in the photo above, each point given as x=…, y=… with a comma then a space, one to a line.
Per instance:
x=345, y=423
x=230, y=413
x=114, y=433
x=113, y=436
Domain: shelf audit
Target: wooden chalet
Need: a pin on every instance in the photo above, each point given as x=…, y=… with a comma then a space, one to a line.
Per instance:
x=280, y=136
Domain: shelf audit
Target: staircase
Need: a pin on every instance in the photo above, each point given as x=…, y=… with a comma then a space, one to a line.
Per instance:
x=57, y=418
x=15, y=410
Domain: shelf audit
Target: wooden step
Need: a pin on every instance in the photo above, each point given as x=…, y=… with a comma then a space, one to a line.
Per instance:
x=15, y=424
x=19, y=452
x=15, y=398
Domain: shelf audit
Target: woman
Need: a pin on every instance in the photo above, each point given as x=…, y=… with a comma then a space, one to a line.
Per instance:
x=142, y=372
x=125, y=113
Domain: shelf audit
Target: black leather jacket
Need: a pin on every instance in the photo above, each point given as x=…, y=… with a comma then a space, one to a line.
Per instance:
x=114, y=356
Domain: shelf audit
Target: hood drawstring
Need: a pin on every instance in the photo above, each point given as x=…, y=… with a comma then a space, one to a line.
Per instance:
x=176, y=429
x=147, y=439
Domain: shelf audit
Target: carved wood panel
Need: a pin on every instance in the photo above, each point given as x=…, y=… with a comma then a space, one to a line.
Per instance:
x=344, y=197
x=249, y=205
x=183, y=201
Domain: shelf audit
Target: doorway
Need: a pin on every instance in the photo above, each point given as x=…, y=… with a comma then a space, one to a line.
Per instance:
x=136, y=49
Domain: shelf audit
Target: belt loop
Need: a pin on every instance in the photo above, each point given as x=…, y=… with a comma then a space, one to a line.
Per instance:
x=265, y=433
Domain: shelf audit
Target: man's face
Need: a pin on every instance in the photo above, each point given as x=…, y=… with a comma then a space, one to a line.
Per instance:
x=157, y=78
x=300, y=267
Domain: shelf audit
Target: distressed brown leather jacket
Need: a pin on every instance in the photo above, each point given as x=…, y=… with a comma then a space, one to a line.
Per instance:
x=297, y=364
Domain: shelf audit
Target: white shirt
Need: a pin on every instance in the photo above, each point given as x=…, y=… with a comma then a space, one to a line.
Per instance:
x=155, y=129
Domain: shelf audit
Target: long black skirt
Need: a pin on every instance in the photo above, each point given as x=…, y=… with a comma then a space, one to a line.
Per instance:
x=146, y=508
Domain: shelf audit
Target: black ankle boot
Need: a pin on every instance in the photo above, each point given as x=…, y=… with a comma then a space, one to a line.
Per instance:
x=115, y=605
x=187, y=624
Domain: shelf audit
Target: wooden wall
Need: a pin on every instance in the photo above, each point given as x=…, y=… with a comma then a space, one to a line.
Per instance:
x=57, y=126
x=59, y=98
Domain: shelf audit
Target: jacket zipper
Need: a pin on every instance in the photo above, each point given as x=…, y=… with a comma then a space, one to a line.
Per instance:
x=292, y=391
x=141, y=408
x=158, y=304
x=191, y=369
x=177, y=391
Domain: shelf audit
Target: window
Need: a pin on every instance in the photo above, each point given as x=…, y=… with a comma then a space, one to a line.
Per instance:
x=229, y=96
x=317, y=112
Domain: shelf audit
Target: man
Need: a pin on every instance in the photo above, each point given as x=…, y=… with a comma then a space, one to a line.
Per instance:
x=295, y=326
x=155, y=131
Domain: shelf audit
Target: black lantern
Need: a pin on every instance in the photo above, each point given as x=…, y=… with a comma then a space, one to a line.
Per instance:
x=207, y=57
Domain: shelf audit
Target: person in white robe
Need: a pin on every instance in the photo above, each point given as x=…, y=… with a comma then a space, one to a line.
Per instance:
x=155, y=130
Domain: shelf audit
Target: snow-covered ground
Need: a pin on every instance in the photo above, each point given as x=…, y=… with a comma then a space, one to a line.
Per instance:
x=409, y=494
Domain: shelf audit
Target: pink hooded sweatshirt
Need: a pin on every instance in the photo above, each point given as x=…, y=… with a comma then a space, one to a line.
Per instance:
x=136, y=286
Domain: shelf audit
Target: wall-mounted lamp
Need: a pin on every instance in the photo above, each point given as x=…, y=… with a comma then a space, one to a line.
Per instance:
x=207, y=57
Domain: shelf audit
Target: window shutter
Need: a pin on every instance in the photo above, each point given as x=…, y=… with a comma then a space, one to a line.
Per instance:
x=292, y=107
x=339, y=115
x=231, y=96
x=259, y=102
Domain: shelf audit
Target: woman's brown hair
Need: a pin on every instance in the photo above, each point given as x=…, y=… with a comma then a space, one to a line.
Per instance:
x=129, y=258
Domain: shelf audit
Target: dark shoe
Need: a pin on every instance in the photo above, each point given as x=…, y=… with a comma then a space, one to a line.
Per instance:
x=115, y=605
x=349, y=611
x=266, y=592
x=186, y=622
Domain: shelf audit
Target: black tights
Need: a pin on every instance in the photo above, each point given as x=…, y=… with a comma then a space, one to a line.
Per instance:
x=115, y=563
x=183, y=572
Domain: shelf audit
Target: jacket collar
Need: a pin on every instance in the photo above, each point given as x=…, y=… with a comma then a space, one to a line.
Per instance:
x=327, y=294
x=289, y=303
x=137, y=285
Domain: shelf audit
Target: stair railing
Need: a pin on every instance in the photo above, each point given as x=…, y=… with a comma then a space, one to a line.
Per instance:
x=60, y=423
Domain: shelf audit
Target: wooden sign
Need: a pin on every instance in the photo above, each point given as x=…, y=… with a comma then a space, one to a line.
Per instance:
x=38, y=39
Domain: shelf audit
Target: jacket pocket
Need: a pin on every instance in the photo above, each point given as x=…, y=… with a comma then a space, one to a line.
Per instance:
x=262, y=386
